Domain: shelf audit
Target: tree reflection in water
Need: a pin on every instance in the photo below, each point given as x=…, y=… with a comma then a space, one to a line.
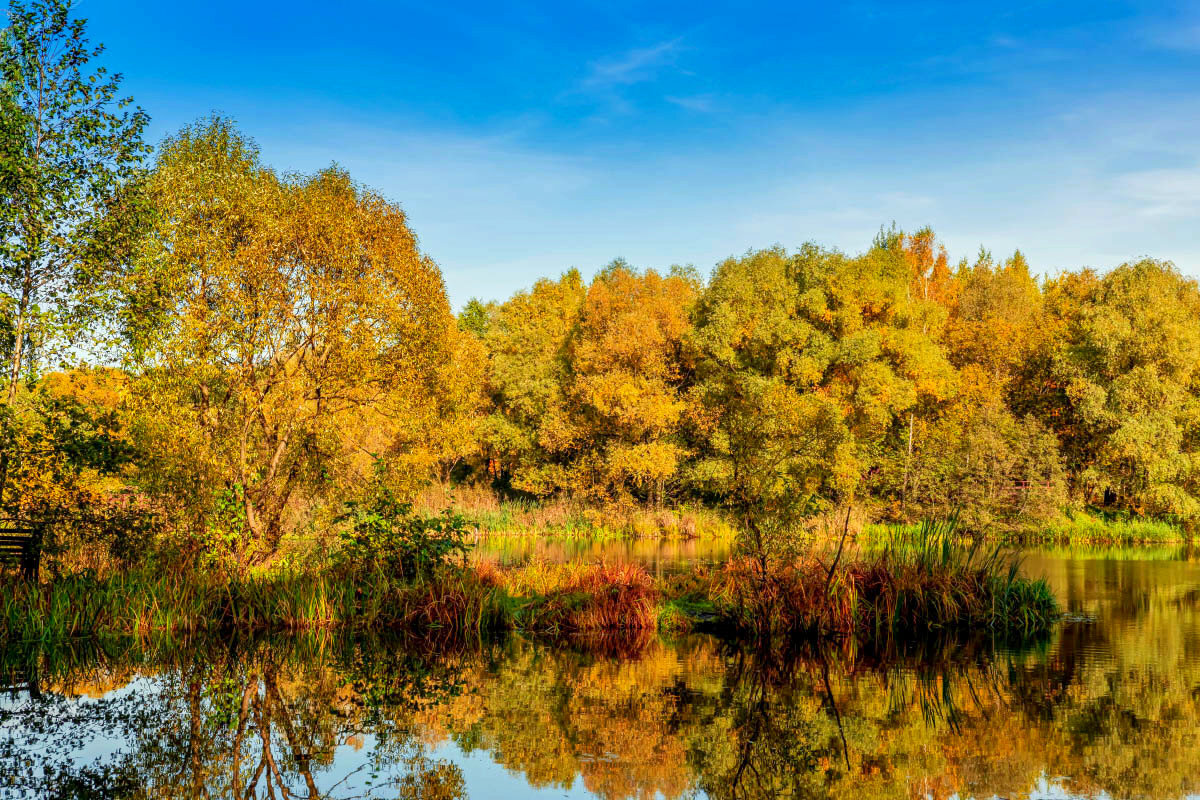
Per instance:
x=337, y=718
x=264, y=720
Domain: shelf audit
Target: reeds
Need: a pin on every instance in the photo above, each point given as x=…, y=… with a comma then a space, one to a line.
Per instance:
x=1073, y=527
x=926, y=581
x=1101, y=528
x=577, y=598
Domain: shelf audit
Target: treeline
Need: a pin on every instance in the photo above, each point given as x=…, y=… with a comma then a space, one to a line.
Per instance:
x=891, y=377
x=200, y=344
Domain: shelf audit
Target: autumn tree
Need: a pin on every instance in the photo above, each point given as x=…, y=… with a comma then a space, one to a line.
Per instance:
x=986, y=466
x=289, y=332
x=978, y=459
x=930, y=279
x=931, y=294
x=627, y=372
x=454, y=436
x=768, y=444
x=998, y=321
x=808, y=364
x=530, y=433
x=1122, y=384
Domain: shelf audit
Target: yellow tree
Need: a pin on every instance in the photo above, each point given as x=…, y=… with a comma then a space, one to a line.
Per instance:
x=627, y=376
x=998, y=321
x=282, y=329
x=455, y=435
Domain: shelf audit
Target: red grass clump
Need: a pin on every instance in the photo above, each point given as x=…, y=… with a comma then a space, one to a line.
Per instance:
x=573, y=598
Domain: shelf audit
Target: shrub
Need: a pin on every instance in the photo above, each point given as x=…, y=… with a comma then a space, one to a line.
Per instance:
x=386, y=535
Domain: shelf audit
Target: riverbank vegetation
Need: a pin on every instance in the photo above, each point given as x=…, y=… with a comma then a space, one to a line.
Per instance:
x=870, y=599
x=413, y=575
x=1076, y=527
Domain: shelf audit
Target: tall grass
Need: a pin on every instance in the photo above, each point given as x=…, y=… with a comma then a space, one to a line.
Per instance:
x=491, y=514
x=1098, y=528
x=141, y=603
x=924, y=582
x=1074, y=527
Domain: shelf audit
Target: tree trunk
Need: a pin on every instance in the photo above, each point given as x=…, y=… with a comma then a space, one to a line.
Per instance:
x=18, y=353
x=907, y=460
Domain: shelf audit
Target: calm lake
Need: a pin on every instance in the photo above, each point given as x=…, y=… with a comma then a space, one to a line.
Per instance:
x=1108, y=707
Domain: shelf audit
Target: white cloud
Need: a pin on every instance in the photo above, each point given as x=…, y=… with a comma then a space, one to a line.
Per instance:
x=608, y=78
x=632, y=66
x=1162, y=192
x=702, y=103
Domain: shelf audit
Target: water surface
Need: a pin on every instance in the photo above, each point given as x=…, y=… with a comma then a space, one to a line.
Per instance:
x=1108, y=707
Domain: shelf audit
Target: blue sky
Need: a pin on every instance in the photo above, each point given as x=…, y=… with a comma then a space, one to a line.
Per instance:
x=526, y=138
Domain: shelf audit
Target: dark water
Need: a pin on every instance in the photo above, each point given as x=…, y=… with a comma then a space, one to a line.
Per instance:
x=1108, y=707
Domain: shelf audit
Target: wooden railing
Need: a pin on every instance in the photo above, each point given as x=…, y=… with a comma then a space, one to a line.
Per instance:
x=21, y=546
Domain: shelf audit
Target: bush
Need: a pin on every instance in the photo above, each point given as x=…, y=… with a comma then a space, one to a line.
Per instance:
x=385, y=535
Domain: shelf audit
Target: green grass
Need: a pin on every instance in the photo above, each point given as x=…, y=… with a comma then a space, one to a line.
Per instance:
x=1096, y=528
x=1076, y=527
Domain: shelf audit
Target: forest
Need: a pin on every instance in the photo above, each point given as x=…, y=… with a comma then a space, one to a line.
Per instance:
x=214, y=364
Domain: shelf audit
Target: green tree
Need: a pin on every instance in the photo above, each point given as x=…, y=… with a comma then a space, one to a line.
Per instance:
x=530, y=432
x=475, y=317
x=71, y=147
x=1122, y=384
x=807, y=366
x=981, y=462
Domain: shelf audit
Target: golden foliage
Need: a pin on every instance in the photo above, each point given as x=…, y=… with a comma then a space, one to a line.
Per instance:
x=297, y=332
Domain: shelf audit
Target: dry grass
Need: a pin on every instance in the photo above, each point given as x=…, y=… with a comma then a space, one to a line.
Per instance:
x=491, y=514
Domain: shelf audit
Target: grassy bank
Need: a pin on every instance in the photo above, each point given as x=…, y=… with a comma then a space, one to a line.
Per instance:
x=929, y=584
x=1097, y=528
x=1074, y=528
x=488, y=513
